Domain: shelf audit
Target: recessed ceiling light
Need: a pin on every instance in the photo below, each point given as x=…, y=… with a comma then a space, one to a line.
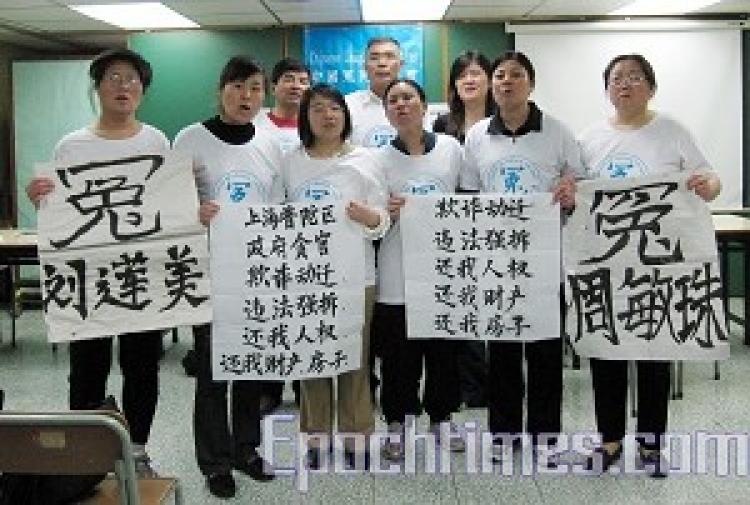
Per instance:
x=403, y=10
x=661, y=7
x=136, y=16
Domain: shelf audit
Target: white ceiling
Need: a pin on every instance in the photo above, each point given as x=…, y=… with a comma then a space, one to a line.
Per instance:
x=48, y=23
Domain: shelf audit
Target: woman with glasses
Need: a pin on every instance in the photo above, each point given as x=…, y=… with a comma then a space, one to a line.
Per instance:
x=469, y=101
x=120, y=79
x=661, y=146
x=228, y=149
x=327, y=167
x=519, y=130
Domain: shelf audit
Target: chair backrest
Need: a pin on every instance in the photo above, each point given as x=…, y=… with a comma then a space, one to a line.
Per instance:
x=68, y=443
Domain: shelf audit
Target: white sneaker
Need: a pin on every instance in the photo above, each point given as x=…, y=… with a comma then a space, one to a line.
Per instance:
x=457, y=444
x=394, y=451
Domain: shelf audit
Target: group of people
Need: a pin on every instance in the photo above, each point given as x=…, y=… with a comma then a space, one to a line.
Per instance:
x=375, y=148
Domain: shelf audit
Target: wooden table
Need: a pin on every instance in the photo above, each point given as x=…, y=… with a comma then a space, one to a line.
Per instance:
x=17, y=247
x=734, y=229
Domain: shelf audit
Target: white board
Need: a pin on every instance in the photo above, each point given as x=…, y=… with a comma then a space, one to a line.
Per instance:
x=698, y=74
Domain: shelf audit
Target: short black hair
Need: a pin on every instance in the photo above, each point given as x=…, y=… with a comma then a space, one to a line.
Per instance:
x=326, y=91
x=101, y=63
x=288, y=65
x=239, y=68
x=381, y=40
x=519, y=57
x=411, y=82
x=648, y=70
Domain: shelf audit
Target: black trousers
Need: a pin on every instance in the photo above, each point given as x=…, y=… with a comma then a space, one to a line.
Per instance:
x=139, y=354
x=402, y=364
x=543, y=387
x=610, y=381
x=217, y=445
x=472, y=372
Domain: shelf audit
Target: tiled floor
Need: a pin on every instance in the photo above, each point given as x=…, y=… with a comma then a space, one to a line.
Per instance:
x=35, y=379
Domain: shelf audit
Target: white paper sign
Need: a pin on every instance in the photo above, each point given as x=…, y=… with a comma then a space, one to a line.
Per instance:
x=121, y=249
x=288, y=291
x=642, y=275
x=482, y=267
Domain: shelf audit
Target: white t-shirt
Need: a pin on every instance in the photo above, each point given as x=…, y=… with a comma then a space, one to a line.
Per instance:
x=433, y=173
x=352, y=176
x=529, y=163
x=84, y=145
x=287, y=137
x=247, y=172
x=370, y=127
x=662, y=146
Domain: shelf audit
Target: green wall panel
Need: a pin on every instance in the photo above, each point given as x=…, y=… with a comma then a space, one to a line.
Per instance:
x=186, y=70
x=187, y=63
x=488, y=38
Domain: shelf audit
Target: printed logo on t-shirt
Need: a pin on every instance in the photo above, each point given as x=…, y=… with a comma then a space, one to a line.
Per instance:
x=288, y=141
x=240, y=187
x=317, y=191
x=379, y=136
x=621, y=166
x=421, y=187
x=515, y=174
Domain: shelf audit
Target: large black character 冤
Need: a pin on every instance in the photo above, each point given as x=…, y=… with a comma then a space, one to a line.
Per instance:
x=696, y=292
x=180, y=282
x=131, y=274
x=592, y=300
x=649, y=307
x=55, y=283
x=635, y=210
x=110, y=196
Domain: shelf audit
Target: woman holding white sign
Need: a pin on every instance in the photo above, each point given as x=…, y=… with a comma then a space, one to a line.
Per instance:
x=636, y=142
x=522, y=150
x=416, y=162
x=327, y=167
x=469, y=101
x=120, y=78
x=230, y=155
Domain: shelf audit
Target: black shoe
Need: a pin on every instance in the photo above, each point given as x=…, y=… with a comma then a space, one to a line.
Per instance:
x=350, y=458
x=601, y=460
x=654, y=463
x=313, y=458
x=254, y=467
x=221, y=485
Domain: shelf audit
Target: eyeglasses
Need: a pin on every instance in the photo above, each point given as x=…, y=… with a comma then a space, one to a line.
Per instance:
x=513, y=75
x=619, y=80
x=118, y=80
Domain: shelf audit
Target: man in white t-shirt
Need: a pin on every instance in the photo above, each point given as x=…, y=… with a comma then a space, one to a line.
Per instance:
x=383, y=63
x=290, y=79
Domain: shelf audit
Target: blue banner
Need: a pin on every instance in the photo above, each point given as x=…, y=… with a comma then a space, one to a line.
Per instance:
x=336, y=54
